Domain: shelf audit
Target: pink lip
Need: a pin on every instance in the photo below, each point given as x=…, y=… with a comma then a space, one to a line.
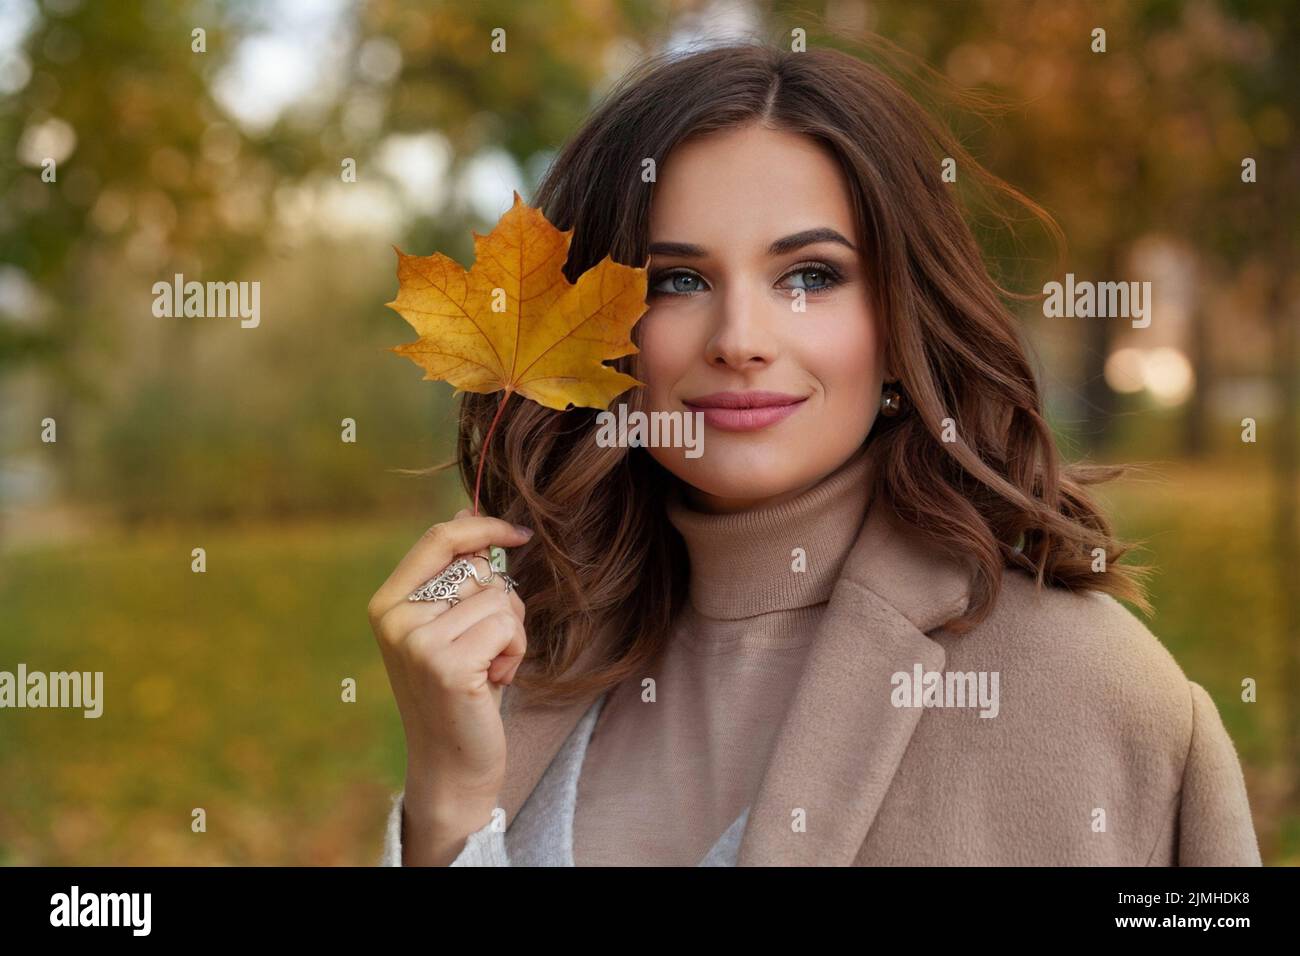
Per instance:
x=744, y=411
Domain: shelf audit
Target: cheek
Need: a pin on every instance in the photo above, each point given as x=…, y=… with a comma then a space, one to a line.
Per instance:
x=667, y=349
x=843, y=353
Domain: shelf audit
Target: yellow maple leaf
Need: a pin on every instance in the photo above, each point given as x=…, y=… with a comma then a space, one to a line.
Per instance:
x=514, y=322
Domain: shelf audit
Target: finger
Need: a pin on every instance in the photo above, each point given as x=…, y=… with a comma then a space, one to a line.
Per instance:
x=500, y=669
x=455, y=622
x=487, y=554
x=439, y=546
x=483, y=553
x=498, y=639
x=510, y=675
x=406, y=615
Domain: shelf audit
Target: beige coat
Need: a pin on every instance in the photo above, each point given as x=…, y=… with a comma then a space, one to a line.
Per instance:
x=1101, y=752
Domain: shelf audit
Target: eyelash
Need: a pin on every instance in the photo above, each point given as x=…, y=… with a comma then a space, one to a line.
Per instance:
x=833, y=278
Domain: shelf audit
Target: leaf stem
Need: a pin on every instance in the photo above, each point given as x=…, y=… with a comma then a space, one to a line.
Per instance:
x=487, y=443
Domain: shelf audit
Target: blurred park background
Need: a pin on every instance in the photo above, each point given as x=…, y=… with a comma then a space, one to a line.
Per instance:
x=223, y=689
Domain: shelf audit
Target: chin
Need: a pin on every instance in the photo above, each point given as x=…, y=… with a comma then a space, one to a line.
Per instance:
x=739, y=473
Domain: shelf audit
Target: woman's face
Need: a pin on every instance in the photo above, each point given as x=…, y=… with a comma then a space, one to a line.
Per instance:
x=756, y=285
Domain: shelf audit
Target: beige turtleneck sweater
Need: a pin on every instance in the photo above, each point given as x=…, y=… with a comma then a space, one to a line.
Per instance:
x=662, y=780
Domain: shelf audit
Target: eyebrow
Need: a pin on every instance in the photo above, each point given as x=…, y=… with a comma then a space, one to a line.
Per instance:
x=779, y=247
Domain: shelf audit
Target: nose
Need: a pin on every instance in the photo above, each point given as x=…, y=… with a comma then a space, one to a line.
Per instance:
x=741, y=338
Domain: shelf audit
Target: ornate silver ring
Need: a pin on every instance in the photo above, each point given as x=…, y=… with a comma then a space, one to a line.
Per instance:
x=445, y=586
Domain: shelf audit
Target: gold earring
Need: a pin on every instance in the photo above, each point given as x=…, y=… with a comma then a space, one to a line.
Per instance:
x=891, y=402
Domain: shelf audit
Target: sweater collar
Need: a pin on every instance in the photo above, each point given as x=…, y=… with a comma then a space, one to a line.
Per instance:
x=745, y=563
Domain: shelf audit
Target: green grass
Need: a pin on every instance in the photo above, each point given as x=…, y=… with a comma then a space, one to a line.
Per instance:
x=222, y=689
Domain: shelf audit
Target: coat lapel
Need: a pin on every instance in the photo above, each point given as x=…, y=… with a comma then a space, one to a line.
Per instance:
x=842, y=740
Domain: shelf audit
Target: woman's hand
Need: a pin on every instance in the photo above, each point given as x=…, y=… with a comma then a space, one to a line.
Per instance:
x=446, y=666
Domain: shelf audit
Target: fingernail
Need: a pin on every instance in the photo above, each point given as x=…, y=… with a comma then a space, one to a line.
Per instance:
x=526, y=532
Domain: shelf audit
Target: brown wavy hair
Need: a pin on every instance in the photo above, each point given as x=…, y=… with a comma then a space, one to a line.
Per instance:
x=605, y=565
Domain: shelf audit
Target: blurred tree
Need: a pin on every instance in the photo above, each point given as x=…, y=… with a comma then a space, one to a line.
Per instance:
x=526, y=99
x=116, y=97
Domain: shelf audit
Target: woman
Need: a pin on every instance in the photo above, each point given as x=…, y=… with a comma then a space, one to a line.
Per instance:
x=792, y=648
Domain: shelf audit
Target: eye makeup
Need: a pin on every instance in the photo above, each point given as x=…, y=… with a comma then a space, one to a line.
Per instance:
x=834, y=277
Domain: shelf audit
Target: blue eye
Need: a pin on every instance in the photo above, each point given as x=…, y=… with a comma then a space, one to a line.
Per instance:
x=677, y=283
x=827, y=277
